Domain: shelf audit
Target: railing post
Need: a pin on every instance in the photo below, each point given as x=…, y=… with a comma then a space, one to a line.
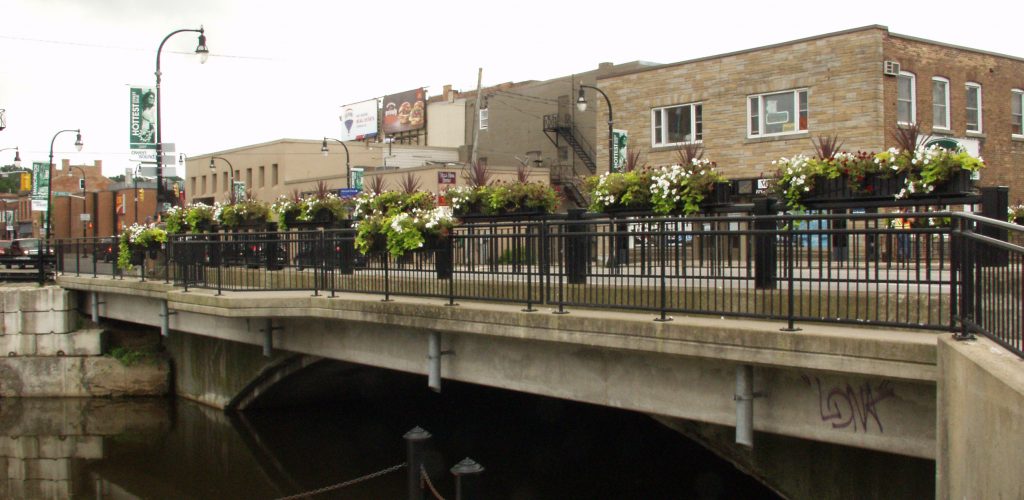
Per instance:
x=78, y=257
x=95, y=246
x=967, y=292
x=387, y=279
x=765, y=253
x=346, y=247
x=790, y=281
x=318, y=260
x=994, y=203
x=167, y=259
x=576, y=248
x=664, y=280
x=529, y=269
x=467, y=479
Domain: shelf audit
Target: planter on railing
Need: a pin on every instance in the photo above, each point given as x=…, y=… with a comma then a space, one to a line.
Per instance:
x=444, y=257
x=841, y=188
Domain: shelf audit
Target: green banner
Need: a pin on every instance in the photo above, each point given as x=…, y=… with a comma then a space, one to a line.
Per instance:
x=142, y=118
x=239, y=190
x=357, y=178
x=619, y=140
x=40, y=180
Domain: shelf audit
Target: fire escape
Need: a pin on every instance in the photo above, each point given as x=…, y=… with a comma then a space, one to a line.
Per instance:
x=559, y=130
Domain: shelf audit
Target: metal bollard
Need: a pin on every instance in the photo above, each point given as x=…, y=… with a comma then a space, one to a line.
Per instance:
x=416, y=441
x=467, y=479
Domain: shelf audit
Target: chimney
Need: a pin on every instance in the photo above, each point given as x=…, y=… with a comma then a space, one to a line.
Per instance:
x=448, y=94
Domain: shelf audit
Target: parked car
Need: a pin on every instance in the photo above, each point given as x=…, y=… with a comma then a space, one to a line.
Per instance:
x=6, y=252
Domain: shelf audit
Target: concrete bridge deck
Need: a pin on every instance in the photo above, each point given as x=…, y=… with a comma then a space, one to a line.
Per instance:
x=861, y=387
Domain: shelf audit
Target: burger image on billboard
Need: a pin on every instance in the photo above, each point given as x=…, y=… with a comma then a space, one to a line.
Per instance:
x=405, y=111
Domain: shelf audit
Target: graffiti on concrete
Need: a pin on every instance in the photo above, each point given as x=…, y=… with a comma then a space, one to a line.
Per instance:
x=845, y=406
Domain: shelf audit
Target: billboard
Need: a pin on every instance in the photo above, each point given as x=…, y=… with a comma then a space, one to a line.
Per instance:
x=405, y=111
x=359, y=120
x=142, y=118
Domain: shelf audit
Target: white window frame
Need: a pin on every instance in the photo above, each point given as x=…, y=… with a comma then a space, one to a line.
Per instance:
x=967, y=90
x=698, y=134
x=798, y=104
x=1017, y=95
x=913, y=98
x=945, y=105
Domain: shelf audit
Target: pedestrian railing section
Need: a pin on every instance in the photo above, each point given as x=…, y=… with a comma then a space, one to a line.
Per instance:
x=961, y=273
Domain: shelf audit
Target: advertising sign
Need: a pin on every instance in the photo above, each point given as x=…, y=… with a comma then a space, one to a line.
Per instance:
x=356, y=174
x=239, y=190
x=619, y=140
x=142, y=118
x=359, y=120
x=40, y=181
x=119, y=203
x=26, y=182
x=445, y=179
x=405, y=111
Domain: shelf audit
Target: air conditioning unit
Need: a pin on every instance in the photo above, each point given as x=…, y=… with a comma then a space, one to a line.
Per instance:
x=891, y=68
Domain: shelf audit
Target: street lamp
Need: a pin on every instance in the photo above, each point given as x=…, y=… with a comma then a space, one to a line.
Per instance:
x=204, y=53
x=49, y=198
x=17, y=156
x=231, y=168
x=581, y=104
x=348, y=169
x=81, y=187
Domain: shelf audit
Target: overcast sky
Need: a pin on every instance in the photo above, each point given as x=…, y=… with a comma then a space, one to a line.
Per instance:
x=282, y=69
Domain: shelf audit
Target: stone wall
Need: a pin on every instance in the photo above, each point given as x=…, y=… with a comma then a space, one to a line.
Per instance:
x=45, y=354
x=980, y=442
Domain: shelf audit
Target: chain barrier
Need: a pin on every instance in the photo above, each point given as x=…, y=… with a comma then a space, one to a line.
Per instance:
x=350, y=482
x=424, y=478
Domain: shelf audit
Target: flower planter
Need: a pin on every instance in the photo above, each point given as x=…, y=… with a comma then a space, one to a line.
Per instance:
x=872, y=186
x=721, y=193
x=959, y=182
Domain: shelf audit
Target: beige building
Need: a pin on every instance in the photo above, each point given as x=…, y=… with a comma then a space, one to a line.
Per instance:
x=754, y=106
x=284, y=166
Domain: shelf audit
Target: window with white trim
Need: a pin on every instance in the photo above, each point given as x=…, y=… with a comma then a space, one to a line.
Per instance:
x=777, y=113
x=672, y=125
x=973, y=107
x=906, y=97
x=1017, y=112
x=940, y=103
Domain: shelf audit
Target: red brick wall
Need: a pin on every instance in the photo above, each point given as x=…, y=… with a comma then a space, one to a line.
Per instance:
x=997, y=76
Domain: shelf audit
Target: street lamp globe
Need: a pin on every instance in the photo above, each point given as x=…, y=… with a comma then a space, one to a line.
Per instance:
x=78, y=142
x=212, y=166
x=581, y=102
x=323, y=147
x=201, y=50
x=17, y=158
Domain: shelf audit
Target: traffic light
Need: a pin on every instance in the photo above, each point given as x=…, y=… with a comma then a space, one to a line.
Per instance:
x=142, y=194
x=81, y=184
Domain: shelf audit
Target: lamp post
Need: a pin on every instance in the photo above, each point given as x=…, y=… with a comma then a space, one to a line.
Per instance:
x=45, y=248
x=203, y=54
x=17, y=156
x=81, y=187
x=581, y=104
x=348, y=169
x=231, y=169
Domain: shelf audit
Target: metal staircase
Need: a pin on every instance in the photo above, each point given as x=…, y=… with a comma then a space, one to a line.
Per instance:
x=558, y=128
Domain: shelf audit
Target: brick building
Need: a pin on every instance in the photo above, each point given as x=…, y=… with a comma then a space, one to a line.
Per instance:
x=754, y=106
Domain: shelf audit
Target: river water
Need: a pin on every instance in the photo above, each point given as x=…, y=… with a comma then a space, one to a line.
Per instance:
x=530, y=447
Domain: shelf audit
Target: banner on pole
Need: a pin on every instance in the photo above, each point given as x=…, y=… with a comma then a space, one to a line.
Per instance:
x=142, y=118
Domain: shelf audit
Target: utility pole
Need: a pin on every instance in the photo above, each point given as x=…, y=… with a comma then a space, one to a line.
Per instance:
x=476, y=120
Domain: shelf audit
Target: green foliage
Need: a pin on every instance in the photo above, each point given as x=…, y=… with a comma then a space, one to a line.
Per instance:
x=243, y=212
x=1015, y=214
x=130, y=357
x=620, y=190
x=682, y=188
x=137, y=237
x=403, y=220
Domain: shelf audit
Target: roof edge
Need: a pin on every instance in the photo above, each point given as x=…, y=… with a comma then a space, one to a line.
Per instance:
x=954, y=46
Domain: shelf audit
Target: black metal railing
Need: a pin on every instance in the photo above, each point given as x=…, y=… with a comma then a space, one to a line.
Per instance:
x=964, y=275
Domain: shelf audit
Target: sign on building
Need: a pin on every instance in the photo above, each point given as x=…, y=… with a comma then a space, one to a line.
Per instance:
x=359, y=120
x=356, y=174
x=40, y=182
x=405, y=111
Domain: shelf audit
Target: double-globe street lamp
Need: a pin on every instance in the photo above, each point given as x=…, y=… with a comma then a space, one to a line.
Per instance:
x=348, y=169
x=204, y=53
x=231, y=169
x=45, y=250
x=581, y=104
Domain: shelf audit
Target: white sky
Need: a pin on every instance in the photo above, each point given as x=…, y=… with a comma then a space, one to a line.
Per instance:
x=282, y=69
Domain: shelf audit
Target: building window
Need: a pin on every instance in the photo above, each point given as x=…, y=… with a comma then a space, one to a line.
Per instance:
x=673, y=125
x=227, y=177
x=204, y=185
x=248, y=178
x=940, y=103
x=262, y=175
x=973, y=107
x=213, y=183
x=193, y=185
x=777, y=113
x=906, y=97
x=273, y=174
x=1017, y=112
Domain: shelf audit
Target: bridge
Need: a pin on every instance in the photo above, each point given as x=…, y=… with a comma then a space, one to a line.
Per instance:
x=788, y=333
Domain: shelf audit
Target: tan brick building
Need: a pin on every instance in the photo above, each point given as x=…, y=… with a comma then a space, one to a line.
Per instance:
x=754, y=106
